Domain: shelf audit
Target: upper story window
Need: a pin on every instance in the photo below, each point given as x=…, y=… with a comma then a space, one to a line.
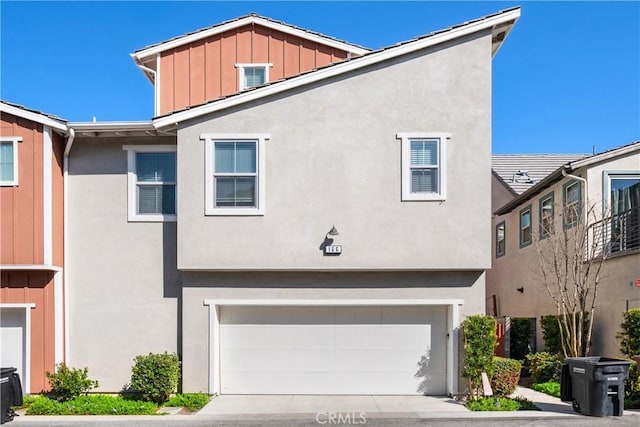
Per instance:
x=235, y=174
x=424, y=161
x=624, y=191
x=501, y=239
x=546, y=215
x=525, y=227
x=151, y=182
x=9, y=161
x=572, y=205
x=252, y=75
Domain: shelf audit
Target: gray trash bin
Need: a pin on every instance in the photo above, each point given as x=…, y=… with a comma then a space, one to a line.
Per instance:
x=10, y=393
x=597, y=385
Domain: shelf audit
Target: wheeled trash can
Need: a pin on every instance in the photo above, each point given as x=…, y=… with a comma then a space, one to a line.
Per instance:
x=595, y=385
x=10, y=393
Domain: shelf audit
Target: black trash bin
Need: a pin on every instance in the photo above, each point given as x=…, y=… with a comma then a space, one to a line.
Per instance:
x=597, y=385
x=10, y=393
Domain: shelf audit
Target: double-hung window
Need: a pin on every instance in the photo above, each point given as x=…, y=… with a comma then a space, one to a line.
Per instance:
x=252, y=75
x=424, y=161
x=151, y=182
x=235, y=174
x=546, y=215
x=9, y=161
x=501, y=239
x=572, y=205
x=525, y=227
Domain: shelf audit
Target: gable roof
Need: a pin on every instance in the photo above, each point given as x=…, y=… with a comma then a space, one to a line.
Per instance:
x=144, y=55
x=500, y=24
x=521, y=171
x=567, y=168
x=46, y=119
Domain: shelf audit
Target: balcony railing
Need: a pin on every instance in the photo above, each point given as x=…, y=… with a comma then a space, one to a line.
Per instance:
x=618, y=234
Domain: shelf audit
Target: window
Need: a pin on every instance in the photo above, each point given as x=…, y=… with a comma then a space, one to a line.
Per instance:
x=151, y=182
x=572, y=203
x=501, y=240
x=424, y=158
x=525, y=227
x=624, y=191
x=546, y=215
x=9, y=161
x=252, y=75
x=234, y=174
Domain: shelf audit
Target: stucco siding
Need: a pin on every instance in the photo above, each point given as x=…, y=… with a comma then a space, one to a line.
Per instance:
x=333, y=159
x=206, y=69
x=123, y=283
x=198, y=287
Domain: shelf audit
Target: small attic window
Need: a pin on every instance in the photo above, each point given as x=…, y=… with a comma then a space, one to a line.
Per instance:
x=252, y=75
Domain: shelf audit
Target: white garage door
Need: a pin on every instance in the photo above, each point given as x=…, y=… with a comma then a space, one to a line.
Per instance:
x=333, y=350
x=13, y=339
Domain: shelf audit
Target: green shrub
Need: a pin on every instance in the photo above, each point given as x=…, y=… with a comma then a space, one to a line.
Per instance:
x=69, y=383
x=479, y=334
x=629, y=335
x=544, y=367
x=192, y=401
x=27, y=401
x=632, y=387
x=551, y=388
x=91, y=405
x=506, y=374
x=155, y=376
x=501, y=404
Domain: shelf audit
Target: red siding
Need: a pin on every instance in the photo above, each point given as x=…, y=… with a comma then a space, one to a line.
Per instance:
x=206, y=69
x=34, y=287
x=21, y=210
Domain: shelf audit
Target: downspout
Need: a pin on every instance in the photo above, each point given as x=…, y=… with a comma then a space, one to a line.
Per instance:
x=65, y=180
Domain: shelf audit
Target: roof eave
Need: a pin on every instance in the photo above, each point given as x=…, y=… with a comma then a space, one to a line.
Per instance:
x=35, y=117
x=508, y=16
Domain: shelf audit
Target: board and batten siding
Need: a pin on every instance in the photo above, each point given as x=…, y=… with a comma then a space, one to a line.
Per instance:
x=206, y=69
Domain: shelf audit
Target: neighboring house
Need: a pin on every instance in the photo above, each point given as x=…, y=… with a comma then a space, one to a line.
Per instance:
x=31, y=243
x=611, y=191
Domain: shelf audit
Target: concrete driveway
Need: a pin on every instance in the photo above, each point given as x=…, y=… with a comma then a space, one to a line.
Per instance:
x=306, y=404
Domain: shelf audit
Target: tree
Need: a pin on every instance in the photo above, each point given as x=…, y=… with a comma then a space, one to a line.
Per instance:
x=571, y=251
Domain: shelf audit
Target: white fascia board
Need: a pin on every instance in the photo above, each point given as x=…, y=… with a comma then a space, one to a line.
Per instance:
x=337, y=69
x=111, y=126
x=145, y=54
x=35, y=117
x=605, y=156
x=38, y=267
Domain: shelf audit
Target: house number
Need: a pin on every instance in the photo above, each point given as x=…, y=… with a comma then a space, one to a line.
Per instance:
x=333, y=249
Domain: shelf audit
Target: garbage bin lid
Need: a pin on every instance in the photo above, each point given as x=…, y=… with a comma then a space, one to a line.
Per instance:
x=4, y=371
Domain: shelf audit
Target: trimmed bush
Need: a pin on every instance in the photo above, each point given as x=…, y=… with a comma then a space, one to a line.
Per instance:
x=91, y=405
x=479, y=334
x=544, y=367
x=501, y=404
x=551, y=388
x=629, y=335
x=69, y=383
x=192, y=401
x=155, y=376
x=519, y=337
x=506, y=374
x=632, y=388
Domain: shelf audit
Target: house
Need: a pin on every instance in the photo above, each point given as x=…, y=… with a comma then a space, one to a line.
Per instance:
x=606, y=187
x=289, y=222
x=32, y=306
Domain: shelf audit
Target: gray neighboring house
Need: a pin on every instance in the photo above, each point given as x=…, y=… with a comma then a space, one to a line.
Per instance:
x=320, y=234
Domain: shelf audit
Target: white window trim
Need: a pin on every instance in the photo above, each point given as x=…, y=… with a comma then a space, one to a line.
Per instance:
x=14, y=140
x=608, y=177
x=243, y=66
x=132, y=180
x=210, y=205
x=406, y=138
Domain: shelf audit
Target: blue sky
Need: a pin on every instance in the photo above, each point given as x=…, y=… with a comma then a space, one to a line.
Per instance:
x=567, y=78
